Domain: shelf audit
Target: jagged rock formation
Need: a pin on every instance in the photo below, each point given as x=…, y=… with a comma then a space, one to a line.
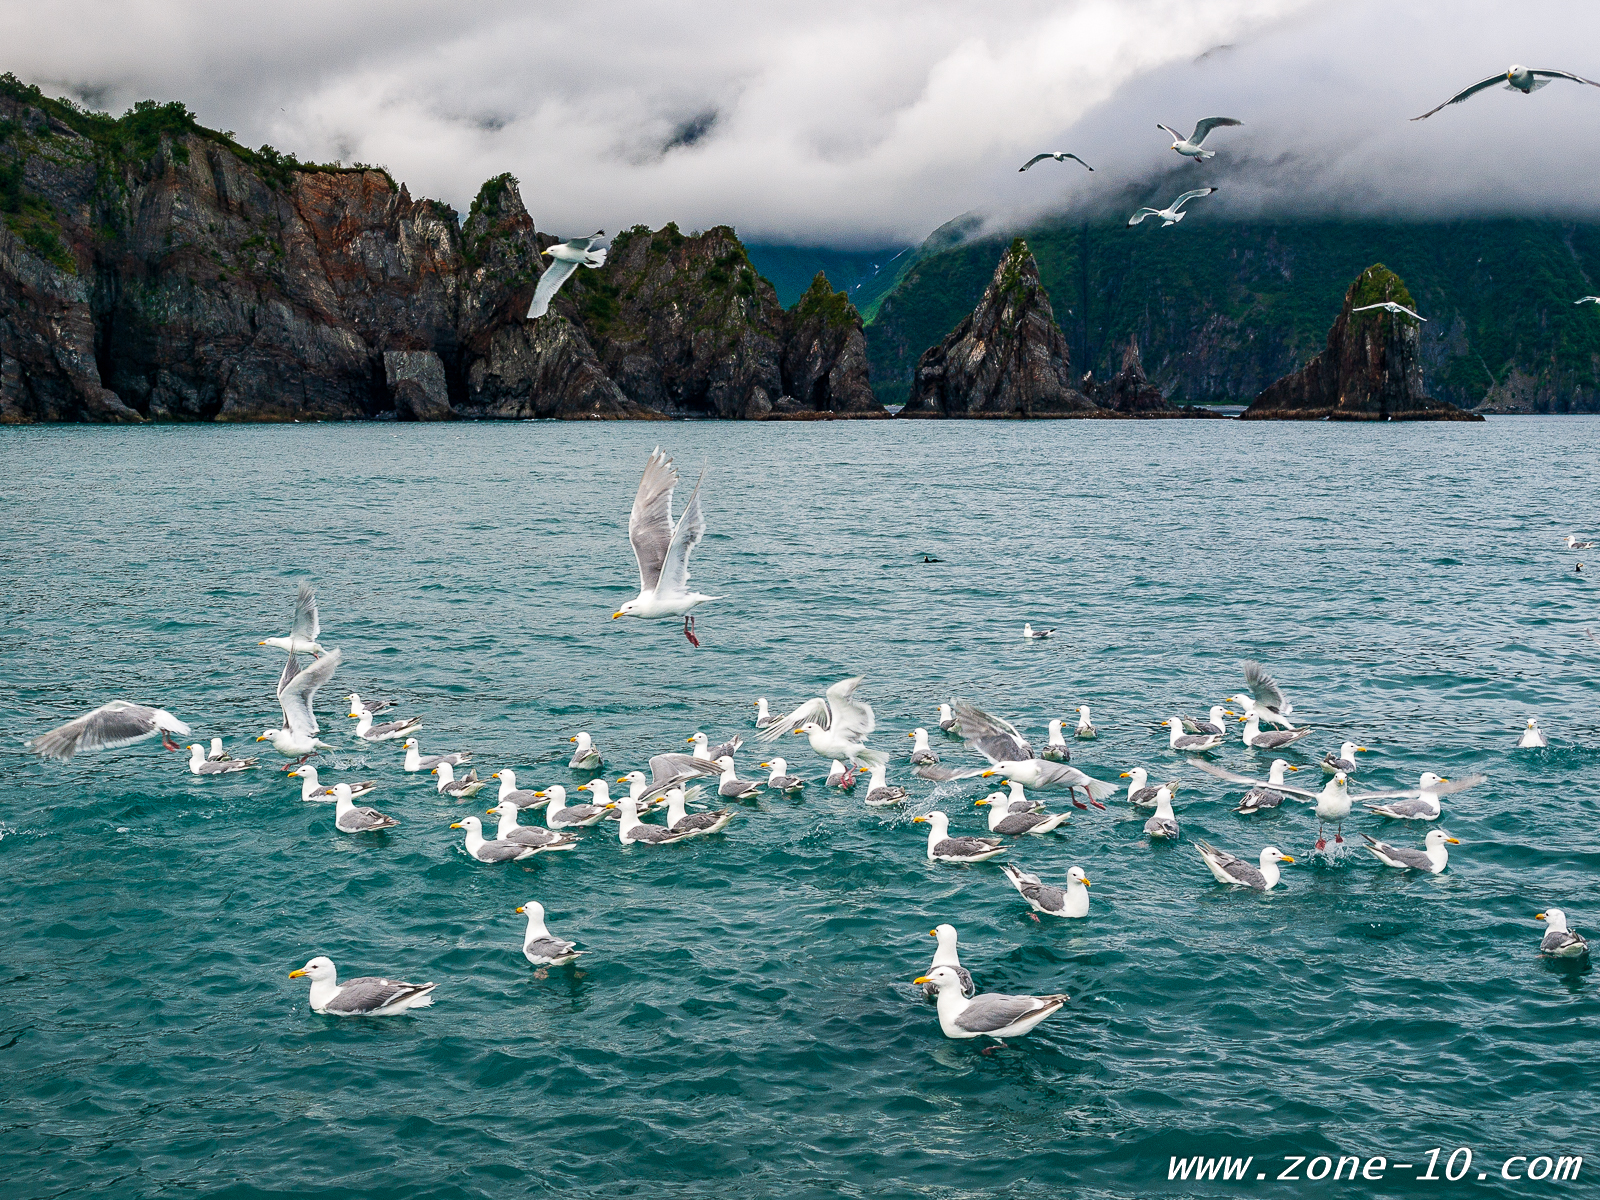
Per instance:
x=1128, y=393
x=1007, y=358
x=151, y=269
x=1370, y=370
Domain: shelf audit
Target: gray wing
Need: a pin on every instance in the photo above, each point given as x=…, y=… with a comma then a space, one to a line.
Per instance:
x=1559, y=939
x=1409, y=808
x=532, y=835
x=962, y=846
x=728, y=748
x=1162, y=825
x=1471, y=91
x=393, y=727
x=1206, y=124
x=1263, y=687
x=700, y=820
x=691, y=528
x=1222, y=773
x=1052, y=898
x=937, y=774
x=1192, y=741
x=572, y=814
x=993, y=737
x=650, y=524
x=847, y=716
x=736, y=789
x=654, y=834
x=118, y=723
x=1448, y=788
x=549, y=284
x=1548, y=74
x=1188, y=196
x=1237, y=868
x=1261, y=797
x=549, y=947
x=992, y=1011
x=1272, y=741
x=666, y=769
x=369, y=994
x=1034, y=159
x=1141, y=215
x=1414, y=859
x=306, y=625
x=1020, y=822
x=370, y=818
x=297, y=695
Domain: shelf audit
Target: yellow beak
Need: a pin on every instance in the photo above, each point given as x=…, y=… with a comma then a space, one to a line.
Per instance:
x=688, y=741
x=799, y=730
x=615, y=615
x=1294, y=768
x=262, y=738
x=1285, y=858
x=933, y=933
x=1538, y=916
x=767, y=765
x=584, y=787
x=1126, y=775
x=519, y=908
x=1087, y=881
x=915, y=820
x=457, y=825
x=300, y=972
x=572, y=739
x=911, y=735
x=979, y=803
x=538, y=793
x=1454, y=841
x=922, y=979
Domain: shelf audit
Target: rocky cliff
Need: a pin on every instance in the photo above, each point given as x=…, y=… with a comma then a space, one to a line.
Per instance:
x=151, y=269
x=1007, y=358
x=1370, y=370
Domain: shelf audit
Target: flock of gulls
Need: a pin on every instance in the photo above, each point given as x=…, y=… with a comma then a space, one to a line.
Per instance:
x=699, y=791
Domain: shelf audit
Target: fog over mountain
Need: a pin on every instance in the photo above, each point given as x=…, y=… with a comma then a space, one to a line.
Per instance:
x=849, y=124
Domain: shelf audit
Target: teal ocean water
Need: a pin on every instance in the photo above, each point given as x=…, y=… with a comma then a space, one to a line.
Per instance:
x=743, y=1023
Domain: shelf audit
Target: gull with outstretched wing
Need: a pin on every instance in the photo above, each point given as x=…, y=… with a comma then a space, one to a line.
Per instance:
x=565, y=258
x=1058, y=155
x=1190, y=147
x=1173, y=213
x=1517, y=78
x=662, y=547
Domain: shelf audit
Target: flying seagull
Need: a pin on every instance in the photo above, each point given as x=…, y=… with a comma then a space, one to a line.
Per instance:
x=119, y=723
x=1519, y=78
x=565, y=259
x=1588, y=300
x=1389, y=306
x=662, y=548
x=1058, y=155
x=1189, y=146
x=1172, y=214
x=302, y=636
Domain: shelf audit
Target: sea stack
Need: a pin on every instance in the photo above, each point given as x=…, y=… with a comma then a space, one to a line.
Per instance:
x=1369, y=371
x=1007, y=359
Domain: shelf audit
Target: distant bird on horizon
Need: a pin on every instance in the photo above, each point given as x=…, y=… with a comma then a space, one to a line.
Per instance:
x=566, y=258
x=1517, y=78
x=1172, y=214
x=1389, y=306
x=1189, y=146
x=1058, y=155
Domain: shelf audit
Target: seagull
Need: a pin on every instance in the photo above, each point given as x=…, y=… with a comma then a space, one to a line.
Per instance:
x=836, y=723
x=539, y=945
x=1189, y=146
x=1164, y=824
x=528, y=835
x=840, y=776
x=944, y=848
x=587, y=756
x=297, y=690
x=491, y=851
x=948, y=722
x=1030, y=634
x=217, y=753
x=1214, y=723
x=1432, y=860
x=1017, y=800
x=112, y=725
x=1193, y=743
x=468, y=785
x=416, y=760
x=780, y=780
x=1422, y=804
x=1272, y=739
x=364, y=997
x=1558, y=940
x=715, y=753
x=991, y=1014
x=358, y=705
x=880, y=792
x=674, y=770
x=944, y=955
x=1587, y=300
x=1229, y=869
x=1391, y=307
x=1015, y=824
x=922, y=754
x=765, y=719
x=1266, y=795
x=389, y=731
x=566, y=257
x=1344, y=761
x=1010, y=754
x=1518, y=78
x=302, y=638
x=1085, y=732
x=1265, y=697
x=1052, y=901
x=662, y=548
x=350, y=818
x=1172, y=214
x=521, y=797
x=730, y=786
x=558, y=814
x=1060, y=156
x=311, y=790
x=1139, y=790
x=1532, y=737
x=199, y=764
x=1055, y=743
x=1574, y=544
x=630, y=829
x=680, y=820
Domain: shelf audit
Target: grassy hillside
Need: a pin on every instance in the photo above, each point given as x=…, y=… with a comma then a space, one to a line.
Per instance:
x=1220, y=309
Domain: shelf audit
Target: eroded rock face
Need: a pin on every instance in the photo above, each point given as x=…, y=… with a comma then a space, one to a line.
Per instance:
x=1007, y=359
x=1370, y=370
x=824, y=360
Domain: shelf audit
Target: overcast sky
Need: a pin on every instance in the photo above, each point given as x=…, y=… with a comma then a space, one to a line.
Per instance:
x=848, y=123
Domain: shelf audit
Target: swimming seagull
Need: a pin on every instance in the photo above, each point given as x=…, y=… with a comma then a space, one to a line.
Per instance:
x=1229, y=869
x=1532, y=737
x=1193, y=743
x=416, y=760
x=311, y=790
x=1165, y=823
x=843, y=777
x=509, y=791
x=1422, y=803
x=698, y=824
x=491, y=851
x=780, y=780
x=587, y=756
x=1213, y=722
x=948, y=722
x=297, y=690
x=302, y=637
x=1011, y=755
x=945, y=955
x=630, y=829
x=1272, y=739
x=836, y=723
x=1344, y=761
x=662, y=548
x=1572, y=539
x=1391, y=307
x=1053, y=901
x=199, y=764
x=1433, y=859
x=944, y=848
x=1139, y=790
x=528, y=835
x=365, y=997
x=1173, y=213
x=1030, y=634
x=1265, y=795
x=1060, y=156
x=387, y=732
x=558, y=814
x=112, y=725
x=358, y=705
x=468, y=785
x=539, y=945
x=566, y=257
x=880, y=792
x=765, y=719
x=1518, y=78
x=730, y=786
x=352, y=818
x=991, y=1014
x=1558, y=940
x=1015, y=824
x=1055, y=743
x=1190, y=146
x=922, y=754
x=715, y=753
x=217, y=753
x=1265, y=697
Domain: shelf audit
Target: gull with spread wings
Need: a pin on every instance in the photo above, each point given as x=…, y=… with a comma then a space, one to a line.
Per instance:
x=1190, y=147
x=296, y=690
x=1517, y=78
x=836, y=723
x=565, y=258
x=663, y=547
